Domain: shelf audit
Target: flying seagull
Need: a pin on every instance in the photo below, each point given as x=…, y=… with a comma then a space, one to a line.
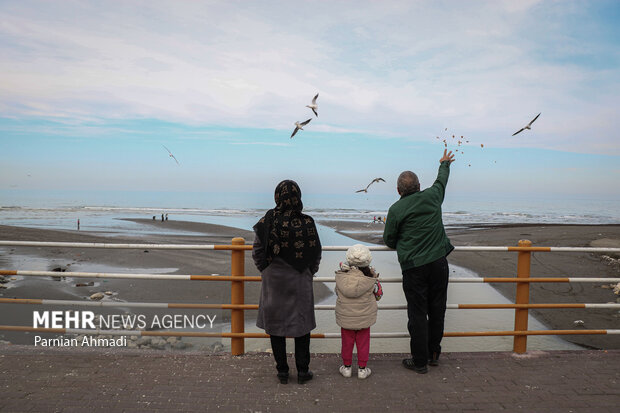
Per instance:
x=372, y=182
x=528, y=126
x=314, y=106
x=298, y=126
x=171, y=155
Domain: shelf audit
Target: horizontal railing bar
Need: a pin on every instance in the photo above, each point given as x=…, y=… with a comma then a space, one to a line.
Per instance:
x=542, y=280
x=185, y=277
x=43, y=301
x=315, y=335
x=249, y=247
x=548, y=305
x=315, y=279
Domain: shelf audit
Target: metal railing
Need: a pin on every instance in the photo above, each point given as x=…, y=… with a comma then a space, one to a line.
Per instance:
x=237, y=305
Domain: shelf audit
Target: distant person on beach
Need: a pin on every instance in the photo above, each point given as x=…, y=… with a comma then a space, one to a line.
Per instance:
x=166, y=217
x=78, y=224
x=162, y=217
x=358, y=291
x=287, y=252
x=415, y=229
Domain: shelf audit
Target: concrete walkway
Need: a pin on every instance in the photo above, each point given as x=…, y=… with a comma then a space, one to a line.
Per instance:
x=88, y=379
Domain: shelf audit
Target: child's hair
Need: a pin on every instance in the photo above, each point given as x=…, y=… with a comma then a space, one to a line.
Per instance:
x=366, y=270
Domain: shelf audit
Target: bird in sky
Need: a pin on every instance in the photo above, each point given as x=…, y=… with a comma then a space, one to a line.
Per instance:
x=314, y=106
x=298, y=126
x=171, y=155
x=371, y=182
x=528, y=126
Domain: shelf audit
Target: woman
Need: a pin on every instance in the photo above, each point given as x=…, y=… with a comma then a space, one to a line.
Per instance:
x=287, y=252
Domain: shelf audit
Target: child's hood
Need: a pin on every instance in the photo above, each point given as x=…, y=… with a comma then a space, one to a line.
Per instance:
x=353, y=283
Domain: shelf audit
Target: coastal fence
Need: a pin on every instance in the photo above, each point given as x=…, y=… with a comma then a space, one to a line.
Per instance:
x=237, y=305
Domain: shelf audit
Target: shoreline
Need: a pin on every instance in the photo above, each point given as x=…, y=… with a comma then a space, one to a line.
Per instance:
x=65, y=260
x=543, y=264
x=485, y=264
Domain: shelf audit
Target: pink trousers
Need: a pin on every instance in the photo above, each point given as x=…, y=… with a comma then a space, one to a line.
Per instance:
x=360, y=338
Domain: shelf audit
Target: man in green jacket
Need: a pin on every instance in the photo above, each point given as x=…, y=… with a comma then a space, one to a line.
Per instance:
x=415, y=229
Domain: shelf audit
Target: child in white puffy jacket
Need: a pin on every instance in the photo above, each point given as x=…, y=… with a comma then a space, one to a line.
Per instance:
x=358, y=290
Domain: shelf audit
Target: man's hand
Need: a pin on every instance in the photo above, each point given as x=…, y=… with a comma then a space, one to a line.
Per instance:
x=447, y=156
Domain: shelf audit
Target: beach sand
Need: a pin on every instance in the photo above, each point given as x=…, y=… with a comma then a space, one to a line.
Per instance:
x=543, y=264
x=194, y=262
x=486, y=264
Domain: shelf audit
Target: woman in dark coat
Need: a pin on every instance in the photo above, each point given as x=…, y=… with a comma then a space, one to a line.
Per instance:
x=287, y=251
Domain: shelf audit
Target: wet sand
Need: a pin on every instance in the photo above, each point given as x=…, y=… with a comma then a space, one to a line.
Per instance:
x=543, y=264
x=204, y=262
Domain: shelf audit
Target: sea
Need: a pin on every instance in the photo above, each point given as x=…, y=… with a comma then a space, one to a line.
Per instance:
x=100, y=212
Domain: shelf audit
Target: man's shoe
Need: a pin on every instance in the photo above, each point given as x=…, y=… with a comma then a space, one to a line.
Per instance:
x=345, y=371
x=408, y=363
x=434, y=360
x=303, y=377
x=283, y=377
x=363, y=373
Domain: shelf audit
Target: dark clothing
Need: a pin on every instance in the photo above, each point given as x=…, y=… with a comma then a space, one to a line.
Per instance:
x=286, y=303
x=426, y=290
x=414, y=226
x=287, y=252
x=288, y=233
x=302, y=353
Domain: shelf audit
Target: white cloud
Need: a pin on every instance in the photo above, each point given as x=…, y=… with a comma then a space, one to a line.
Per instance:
x=390, y=68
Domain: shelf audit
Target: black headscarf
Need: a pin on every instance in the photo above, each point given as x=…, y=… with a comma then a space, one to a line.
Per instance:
x=288, y=233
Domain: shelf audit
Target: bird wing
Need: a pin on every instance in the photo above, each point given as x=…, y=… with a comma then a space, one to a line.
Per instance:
x=294, y=132
x=532, y=121
x=167, y=149
x=361, y=190
x=314, y=99
x=378, y=179
x=306, y=122
x=519, y=131
x=173, y=157
x=317, y=115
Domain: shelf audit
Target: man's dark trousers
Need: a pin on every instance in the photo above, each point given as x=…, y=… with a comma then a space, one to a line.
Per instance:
x=426, y=290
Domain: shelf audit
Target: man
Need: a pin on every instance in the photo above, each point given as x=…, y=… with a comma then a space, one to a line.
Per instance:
x=415, y=229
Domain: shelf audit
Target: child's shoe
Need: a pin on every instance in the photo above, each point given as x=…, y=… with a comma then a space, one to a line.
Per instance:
x=362, y=373
x=345, y=371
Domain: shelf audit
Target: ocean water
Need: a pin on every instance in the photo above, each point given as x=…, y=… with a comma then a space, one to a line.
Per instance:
x=100, y=210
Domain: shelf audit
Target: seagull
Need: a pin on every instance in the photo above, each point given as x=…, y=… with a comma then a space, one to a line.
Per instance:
x=372, y=182
x=298, y=126
x=528, y=126
x=171, y=155
x=314, y=106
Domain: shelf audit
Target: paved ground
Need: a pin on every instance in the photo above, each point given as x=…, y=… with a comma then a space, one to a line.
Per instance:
x=70, y=380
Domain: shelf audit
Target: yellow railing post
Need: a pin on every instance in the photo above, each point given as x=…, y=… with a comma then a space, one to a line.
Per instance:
x=523, y=297
x=237, y=322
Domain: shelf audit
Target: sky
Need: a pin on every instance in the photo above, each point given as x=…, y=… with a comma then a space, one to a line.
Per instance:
x=92, y=91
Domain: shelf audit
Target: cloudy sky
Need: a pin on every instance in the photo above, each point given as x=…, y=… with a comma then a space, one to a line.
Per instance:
x=91, y=91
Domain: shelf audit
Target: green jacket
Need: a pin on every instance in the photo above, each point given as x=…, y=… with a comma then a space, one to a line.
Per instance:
x=414, y=226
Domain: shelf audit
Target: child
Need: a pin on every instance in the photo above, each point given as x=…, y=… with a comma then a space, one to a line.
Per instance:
x=356, y=307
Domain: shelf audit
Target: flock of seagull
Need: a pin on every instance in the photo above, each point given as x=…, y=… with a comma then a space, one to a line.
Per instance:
x=314, y=107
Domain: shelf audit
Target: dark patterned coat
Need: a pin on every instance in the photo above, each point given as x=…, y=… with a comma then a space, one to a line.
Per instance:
x=286, y=306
